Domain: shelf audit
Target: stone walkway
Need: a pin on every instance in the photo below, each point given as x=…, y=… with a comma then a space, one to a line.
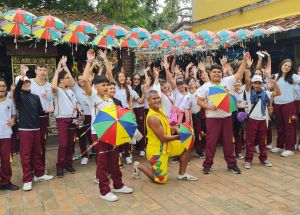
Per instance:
x=261, y=190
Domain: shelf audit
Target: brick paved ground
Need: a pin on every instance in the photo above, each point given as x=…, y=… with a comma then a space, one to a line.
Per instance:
x=260, y=190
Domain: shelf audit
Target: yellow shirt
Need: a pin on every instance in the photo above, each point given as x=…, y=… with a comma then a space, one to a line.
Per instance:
x=155, y=146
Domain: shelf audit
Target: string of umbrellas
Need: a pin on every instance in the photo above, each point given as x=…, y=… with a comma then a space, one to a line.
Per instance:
x=21, y=23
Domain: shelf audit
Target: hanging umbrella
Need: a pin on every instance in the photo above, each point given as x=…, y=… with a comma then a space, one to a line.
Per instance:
x=161, y=35
x=188, y=43
x=46, y=33
x=83, y=26
x=115, y=31
x=115, y=125
x=259, y=32
x=243, y=34
x=225, y=35
x=275, y=29
x=183, y=35
x=129, y=43
x=49, y=22
x=168, y=43
x=19, y=16
x=75, y=37
x=222, y=98
x=186, y=135
x=207, y=36
x=139, y=33
x=150, y=43
x=105, y=42
x=15, y=29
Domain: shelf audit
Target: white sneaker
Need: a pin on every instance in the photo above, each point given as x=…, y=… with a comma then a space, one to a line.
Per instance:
x=269, y=146
x=287, y=153
x=110, y=197
x=128, y=160
x=267, y=163
x=187, y=177
x=84, y=161
x=46, y=172
x=257, y=149
x=142, y=153
x=296, y=146
x=27, y=186
x=136, y=171
x=124, y=189
x=240, y=156
x=247, y=165
x=276, y=150
x=96, y=180
x=43, y=178
x=75, y=157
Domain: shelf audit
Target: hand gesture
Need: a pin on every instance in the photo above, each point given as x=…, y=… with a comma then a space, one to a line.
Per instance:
x=246, y=56
x=64, y=60
x=156, y=71
x=144, y=88
x=166, y=63
x=266, y=53
x=249, y=62
x=102, y=54
x=223, y=60
x=177, y=70
x=201, y=66
x=10, y=122
x=90, y=55
x=212, y=107
x=189, y=66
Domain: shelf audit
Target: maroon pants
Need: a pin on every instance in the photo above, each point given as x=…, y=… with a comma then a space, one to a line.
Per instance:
x=239, y=140
x=44, y=122
x=107, y=161
x=286, y=128
x=86, y=136
x=197, y=130
x=30, y=153
x=5, y=169
x=140, y=119
x=219, y=129
x=66, y=134
x=256, y=132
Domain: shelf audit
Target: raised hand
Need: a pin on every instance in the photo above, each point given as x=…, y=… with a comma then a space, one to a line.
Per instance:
x=102, y=54
x=249, y=62
x=166, y=63
x=223, y=60
x=64, y=60
x=201, y=66
x=90, y=55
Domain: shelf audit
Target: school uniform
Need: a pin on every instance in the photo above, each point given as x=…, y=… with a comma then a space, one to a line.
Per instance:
x=182, y=103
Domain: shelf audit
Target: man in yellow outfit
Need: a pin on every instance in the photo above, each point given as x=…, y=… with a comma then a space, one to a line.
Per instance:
x=162, y=145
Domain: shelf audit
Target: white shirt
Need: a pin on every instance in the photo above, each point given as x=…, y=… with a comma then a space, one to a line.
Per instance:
x=256, y=112
x=194, y=106
x=7, y=110
x=44, y=92
x=182, y=102
x=135, y=97
x=96, y=104
x=82, y=98
x=122, y=96
x=65, y=103
x=297, y=92
x=167, y=102
x=287, y=90
x=227, y=82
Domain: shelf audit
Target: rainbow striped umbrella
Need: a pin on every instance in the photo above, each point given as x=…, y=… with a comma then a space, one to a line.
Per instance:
x=222, y=98
x=50, y=22
x=186, y=135
x=161, y=35
x=114, y=31
x=46, y=33
x=75, y=37
x=105, y=42
x=83, y=27
x=188, y=43
x=15, y=29
x=129, y=43
x=19, y=16
x=139, y=33
x=168, y=43
x=183, y=35
x=150, y=43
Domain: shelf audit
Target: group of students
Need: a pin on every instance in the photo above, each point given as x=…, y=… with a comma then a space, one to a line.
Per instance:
x=161, y=100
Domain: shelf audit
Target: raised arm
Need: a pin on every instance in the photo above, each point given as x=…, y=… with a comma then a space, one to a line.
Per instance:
x=64, y=60
x=17, y=91
x=247, y=80
x=277, y=91
x=201, y=67
x=239, y=74
x=55, y=77
x=186, y=75
x=86, y=73
x=168, y=73
x=107, y=64
x=259, y=62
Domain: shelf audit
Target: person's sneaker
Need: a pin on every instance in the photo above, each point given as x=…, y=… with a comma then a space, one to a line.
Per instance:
x=27, y=186
x=266, y=163
x=128, y=160
x=75, y=157
x=10, y=187
x=136, y=172
x=124, y=189
x=257, y=149
x=43, y=178
x=287, y=153
x=96, y=180
x=110, y=197
x=269, y=146
x=247, y=165
x=70, y=170
x=175, y=160
x=235, y=169
x=240, y=156
x=84, y=161
x=206, y=170
x=276, y=150
x=59, y=173
x=142, y=153
x=202, y=155
x=299, y=147
x=187, y=177
x=46, y=172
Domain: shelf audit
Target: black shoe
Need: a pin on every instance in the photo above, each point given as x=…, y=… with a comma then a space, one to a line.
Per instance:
x=11, y=187
x=235, y=169
x=59, y=173
x=206, y=170
x=201, y=155
x=70, y=170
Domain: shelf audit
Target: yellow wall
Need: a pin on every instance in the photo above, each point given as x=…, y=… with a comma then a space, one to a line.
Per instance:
x=282, y=8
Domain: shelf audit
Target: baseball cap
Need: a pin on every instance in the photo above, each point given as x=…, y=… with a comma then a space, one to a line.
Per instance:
x=256, y=78
x=18, y=78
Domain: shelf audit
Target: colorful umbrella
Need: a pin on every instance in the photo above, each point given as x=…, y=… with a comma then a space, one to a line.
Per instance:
x=243, y=34
x=75, y=37
x=168, y=43
x=275, y=29
x=150, y=43
x=19, y=16
x=15, y=29
x=115, y=125
x=115, y=31
x=183, y=35
x=139, y=33
x=46, y=33
x=207, y=36
x=188, y=43
x=129, y=43
x=225, y=35
x=161, y=35
x=105, y=42
x=222, y=98
x=259, y=32
x=186, y=135
x=50, y=22
x=83, y=26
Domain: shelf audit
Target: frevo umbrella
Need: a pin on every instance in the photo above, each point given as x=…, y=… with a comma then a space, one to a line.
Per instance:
x=222, y=98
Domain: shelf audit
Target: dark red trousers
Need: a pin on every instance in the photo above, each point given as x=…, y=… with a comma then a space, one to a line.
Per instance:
x=66, y=135
x=219, y=129
x=5, y=169
x=44, y=122
x=107, y=161
x=31, y=155
x=140, y=119
x=286, y=128
x=197, y=130
x=256, y=132
x=86, y=137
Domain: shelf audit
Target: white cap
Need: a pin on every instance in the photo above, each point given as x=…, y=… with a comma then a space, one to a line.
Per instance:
x=256, y=78
x=18, y=78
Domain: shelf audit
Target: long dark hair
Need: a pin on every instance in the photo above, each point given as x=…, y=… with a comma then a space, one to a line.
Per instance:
x=138, y=88
x=289, y=76
x=124, y=86
x=61, y=75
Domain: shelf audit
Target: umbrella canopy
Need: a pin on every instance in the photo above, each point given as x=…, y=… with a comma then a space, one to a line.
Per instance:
x=139, y=33
x=115, y=125
x=49, y=22
x=225, y=35
x=115, y=31
x=168, y=43
x=83, y=26
x=207, y=36
x=186, y=135
x=46, y=33
x=19, y=16
x=222, y=98
x=243, y=34
x=129, y=43
x=259, y=32
x=15, y=29
x=275, y=29
x=188, y=43
x=161, y=35
x=183, y=35
x=75, y=37
x=150, y=43
x=105, y=41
